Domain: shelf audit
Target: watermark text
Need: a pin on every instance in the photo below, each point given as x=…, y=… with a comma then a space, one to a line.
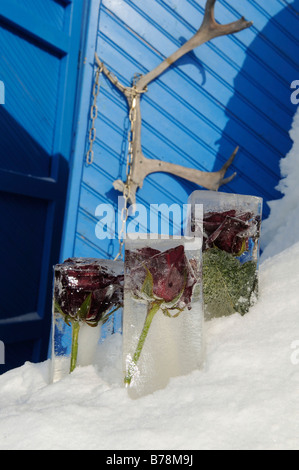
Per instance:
x=2, y=353
x=2, y=93
x=153, y=221
x=295, y=353
x=295, y=94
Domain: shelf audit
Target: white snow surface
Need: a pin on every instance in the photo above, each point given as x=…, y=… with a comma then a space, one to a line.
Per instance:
x=281, y=229
x=246, y=397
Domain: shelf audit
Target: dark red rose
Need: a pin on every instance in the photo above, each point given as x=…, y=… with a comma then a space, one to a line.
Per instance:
x=228, y=230
x=85, y=289
x=165, y=281
x=166, y=276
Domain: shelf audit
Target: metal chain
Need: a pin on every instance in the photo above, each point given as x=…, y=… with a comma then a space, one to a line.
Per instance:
x=127, y=186
x=93, y=116
x=131, y=139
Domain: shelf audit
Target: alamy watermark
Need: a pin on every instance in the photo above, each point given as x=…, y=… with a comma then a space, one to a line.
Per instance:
x=295, y=353
x=2, y=93
x=153, y=221
x=295, y=94
x=2, y=353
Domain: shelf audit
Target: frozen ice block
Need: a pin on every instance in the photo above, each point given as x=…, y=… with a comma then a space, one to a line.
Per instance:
x=87, y=293
x=231, y=236
x=163, y=312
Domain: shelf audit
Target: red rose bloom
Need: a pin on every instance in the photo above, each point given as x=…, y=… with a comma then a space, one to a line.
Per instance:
x=228, y=230
x=89, y=281
x=165, y=281
x=163, y=276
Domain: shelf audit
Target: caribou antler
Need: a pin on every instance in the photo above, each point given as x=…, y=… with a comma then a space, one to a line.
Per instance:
x=142, y=166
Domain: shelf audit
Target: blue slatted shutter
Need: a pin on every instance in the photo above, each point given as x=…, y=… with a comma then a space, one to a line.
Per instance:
x=39, y=48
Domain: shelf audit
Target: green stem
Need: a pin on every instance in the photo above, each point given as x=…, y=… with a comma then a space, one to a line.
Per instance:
x=154, y=308
x=75, y=337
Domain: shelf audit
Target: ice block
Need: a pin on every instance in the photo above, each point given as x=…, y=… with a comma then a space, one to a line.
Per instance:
x=163, y=312
x=87, y=294
x=231, y=241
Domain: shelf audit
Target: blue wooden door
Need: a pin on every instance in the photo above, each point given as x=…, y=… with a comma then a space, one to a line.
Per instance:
x=39, y=52
x=232, y=91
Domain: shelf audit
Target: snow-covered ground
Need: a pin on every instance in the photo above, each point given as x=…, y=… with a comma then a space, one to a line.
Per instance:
x=246, y=397
x=281, y=229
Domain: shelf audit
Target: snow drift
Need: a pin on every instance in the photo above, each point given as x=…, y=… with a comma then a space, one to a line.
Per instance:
x=246, y=397
x=281, y=229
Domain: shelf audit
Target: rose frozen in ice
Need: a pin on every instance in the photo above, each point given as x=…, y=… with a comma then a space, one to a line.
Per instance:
x=229, y=271
x=165, y=281
x=85, y=290
x=229, y=231
x=166, y=277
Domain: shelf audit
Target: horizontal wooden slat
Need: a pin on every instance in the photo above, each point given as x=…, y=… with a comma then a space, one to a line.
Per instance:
x=25, y=328
x=31, y=24
x=232, y=91
x=54, y=12
x=16, y=183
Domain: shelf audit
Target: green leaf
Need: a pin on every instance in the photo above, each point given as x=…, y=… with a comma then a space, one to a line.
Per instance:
x=243, y=248
x=108, y=315
x=148, y=285
x=167, y=313
x=228, y=285
x=85, y=307
x=57, y=308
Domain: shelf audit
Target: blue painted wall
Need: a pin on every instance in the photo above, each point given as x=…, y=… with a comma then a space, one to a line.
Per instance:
x=232, y=91
x=39, y=48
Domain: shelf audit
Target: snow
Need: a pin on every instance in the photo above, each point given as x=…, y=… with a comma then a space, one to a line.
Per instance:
x=281, y=229
x=245, y=398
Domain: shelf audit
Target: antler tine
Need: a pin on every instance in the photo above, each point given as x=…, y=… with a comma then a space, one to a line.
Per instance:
x=215, y=29
x=230, y=160
x=222, y=180
x=209, y=16
x=227, y=180
x=208, y=30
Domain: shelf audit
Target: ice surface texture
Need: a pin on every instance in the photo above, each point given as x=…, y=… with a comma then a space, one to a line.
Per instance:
x=87, y=292
x=231, y=235
x=162, y=327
